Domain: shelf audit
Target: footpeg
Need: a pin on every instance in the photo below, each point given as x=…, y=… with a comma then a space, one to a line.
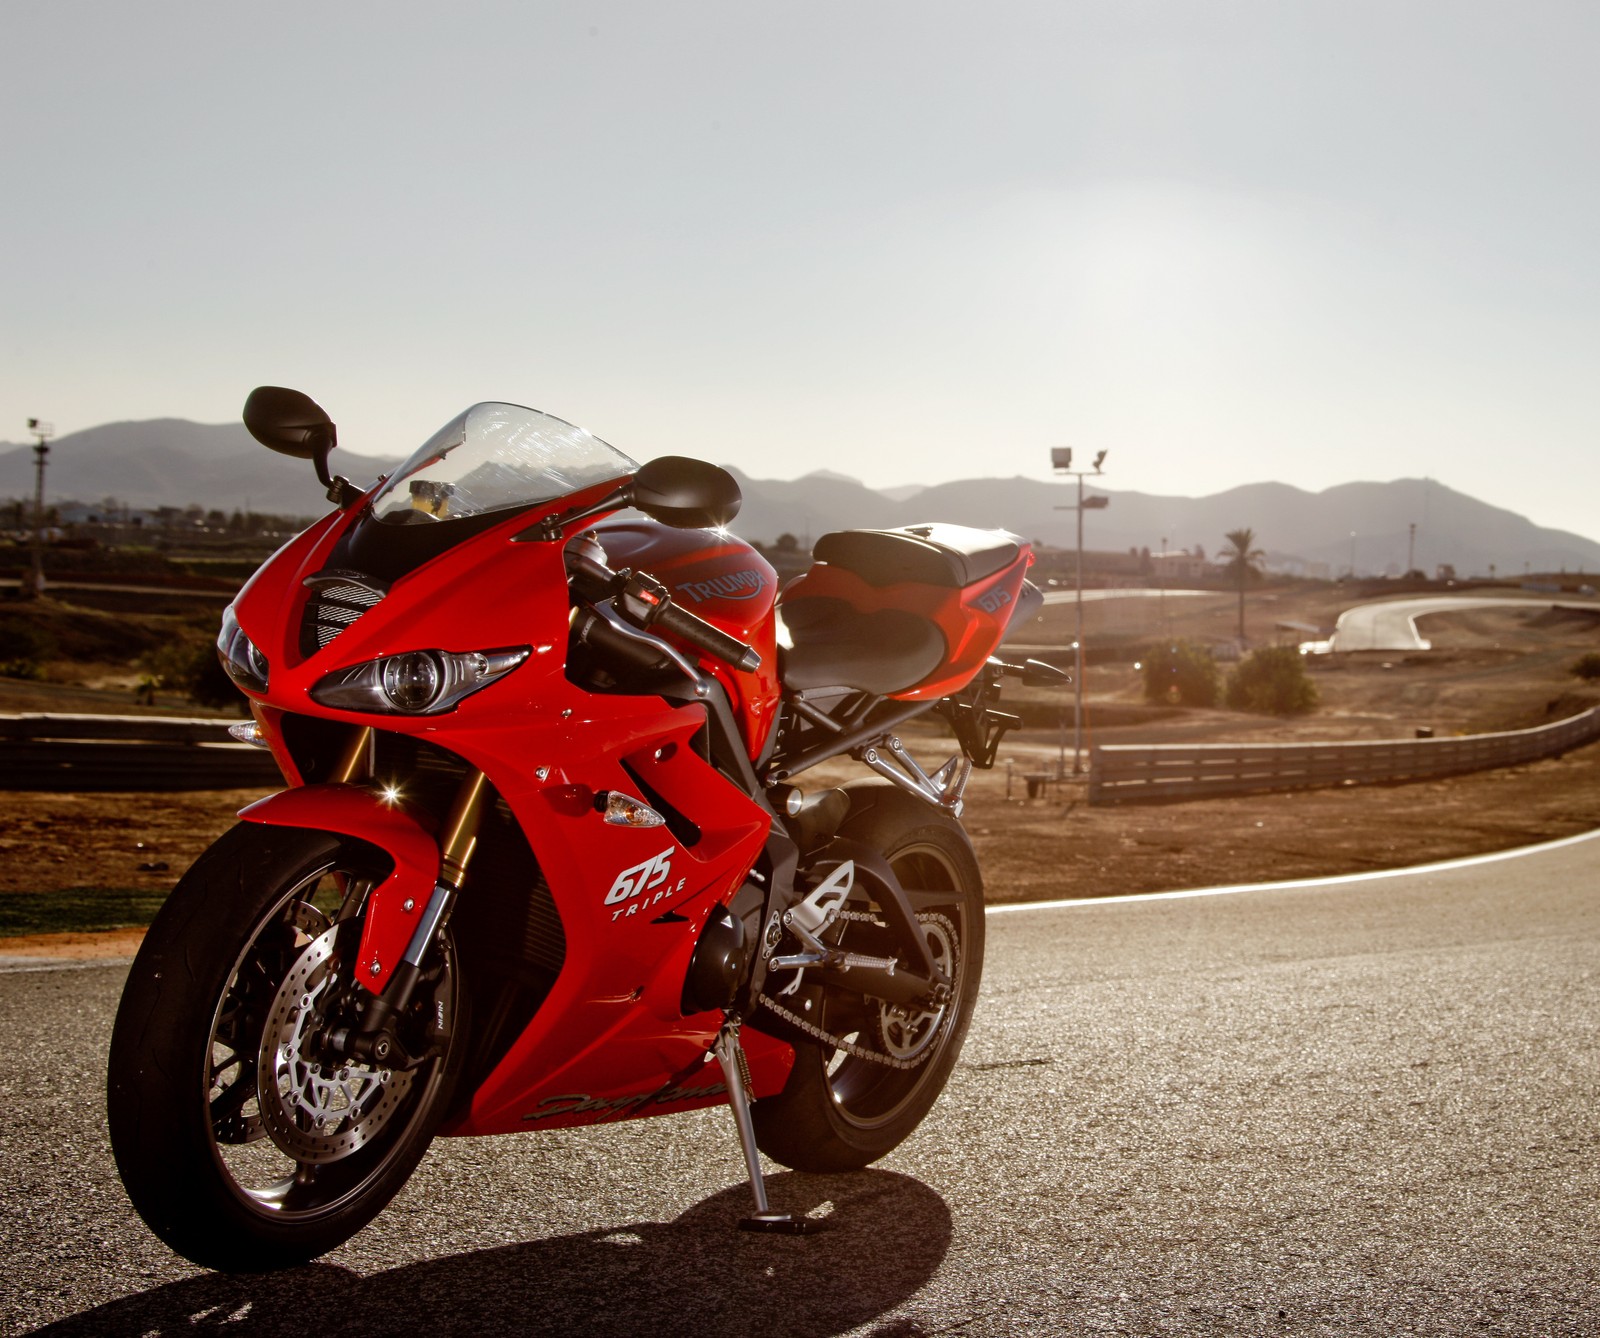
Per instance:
x=810, y=918
x=736, y=1074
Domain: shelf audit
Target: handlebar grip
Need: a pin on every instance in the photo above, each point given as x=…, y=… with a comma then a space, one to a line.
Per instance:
x=713, y=640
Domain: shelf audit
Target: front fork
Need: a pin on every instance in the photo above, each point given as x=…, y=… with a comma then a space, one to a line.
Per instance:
x=375, y=1039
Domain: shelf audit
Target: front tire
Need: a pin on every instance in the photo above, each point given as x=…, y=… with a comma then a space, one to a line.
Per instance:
x=838, y=1111
x=236, y=1145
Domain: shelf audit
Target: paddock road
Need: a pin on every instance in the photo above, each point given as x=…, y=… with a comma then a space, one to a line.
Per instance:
x=1337, y=1108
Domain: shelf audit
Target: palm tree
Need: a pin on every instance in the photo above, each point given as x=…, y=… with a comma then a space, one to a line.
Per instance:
x=1243, y=563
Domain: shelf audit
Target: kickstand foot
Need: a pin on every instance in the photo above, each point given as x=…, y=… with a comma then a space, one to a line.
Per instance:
x=736, y=1076
x=780, y=1224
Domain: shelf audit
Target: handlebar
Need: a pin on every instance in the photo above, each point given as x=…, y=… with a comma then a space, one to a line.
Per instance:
x=646, y=603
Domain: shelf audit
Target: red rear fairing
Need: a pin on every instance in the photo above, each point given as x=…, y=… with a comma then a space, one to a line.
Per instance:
x=971, y=614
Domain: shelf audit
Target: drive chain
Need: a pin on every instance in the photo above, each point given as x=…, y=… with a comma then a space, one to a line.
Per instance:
x=850, y=1047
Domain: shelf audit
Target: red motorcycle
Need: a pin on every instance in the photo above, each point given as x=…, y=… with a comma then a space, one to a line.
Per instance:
x=542, y=857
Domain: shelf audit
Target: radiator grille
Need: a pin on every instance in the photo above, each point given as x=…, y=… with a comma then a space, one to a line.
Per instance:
x=334, y=605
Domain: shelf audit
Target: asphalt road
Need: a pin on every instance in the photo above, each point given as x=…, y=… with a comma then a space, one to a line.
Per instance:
x=1392, y=625
x=1331, y=1109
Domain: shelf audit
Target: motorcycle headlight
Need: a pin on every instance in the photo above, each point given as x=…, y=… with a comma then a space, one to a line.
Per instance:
x=417, y=682
x=413, y=682
x=241, y=657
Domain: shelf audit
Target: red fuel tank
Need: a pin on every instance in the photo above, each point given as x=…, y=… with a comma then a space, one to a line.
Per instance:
x=726, y=582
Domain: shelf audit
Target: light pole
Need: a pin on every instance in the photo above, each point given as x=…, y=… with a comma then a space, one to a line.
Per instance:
x=1163, y=584
x=41, y=432
x=1061, y=462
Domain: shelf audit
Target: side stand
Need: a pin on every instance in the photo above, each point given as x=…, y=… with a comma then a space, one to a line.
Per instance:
x=736, y=1075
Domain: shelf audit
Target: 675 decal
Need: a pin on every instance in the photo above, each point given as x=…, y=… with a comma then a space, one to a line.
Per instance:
x=633, y=885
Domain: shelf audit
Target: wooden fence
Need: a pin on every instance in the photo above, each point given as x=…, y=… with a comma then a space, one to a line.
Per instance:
x=1142, y=774
x=119, y=752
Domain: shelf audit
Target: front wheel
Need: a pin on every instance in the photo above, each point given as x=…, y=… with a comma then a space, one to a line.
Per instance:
x=243, y=1142
x=845, y=1106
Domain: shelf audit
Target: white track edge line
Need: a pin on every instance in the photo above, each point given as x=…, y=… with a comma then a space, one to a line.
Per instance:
x=18, y=967
x=1337, y=880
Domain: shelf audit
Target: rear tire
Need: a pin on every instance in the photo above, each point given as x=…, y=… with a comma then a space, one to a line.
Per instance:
x=839, y=1112
x=241, y=1152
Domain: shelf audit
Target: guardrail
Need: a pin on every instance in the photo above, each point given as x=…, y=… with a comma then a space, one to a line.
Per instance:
x=102, y=752
x=120, y=752
x=1142, y=774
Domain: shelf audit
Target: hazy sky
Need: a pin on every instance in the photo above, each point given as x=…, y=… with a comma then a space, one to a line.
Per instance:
x=1227, y=242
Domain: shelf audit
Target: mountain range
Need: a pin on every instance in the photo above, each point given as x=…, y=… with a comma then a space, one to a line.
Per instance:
x=173, y=462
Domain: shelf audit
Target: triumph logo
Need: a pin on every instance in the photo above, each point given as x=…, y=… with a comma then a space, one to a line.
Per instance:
x=651, y=876
x=745, y=584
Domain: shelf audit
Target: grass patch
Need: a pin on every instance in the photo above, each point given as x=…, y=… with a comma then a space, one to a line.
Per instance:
x=78, y=910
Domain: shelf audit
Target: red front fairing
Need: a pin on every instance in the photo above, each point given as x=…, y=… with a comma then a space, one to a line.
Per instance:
x=608, y=1042
x=633, y=903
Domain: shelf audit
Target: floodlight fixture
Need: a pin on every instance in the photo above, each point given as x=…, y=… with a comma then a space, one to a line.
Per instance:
x=1061, y=457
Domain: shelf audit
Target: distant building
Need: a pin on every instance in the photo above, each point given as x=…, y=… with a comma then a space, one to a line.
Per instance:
x=1182, y=565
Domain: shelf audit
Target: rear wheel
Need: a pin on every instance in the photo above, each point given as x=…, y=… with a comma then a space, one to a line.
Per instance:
x=242, y=1142
x=844, y=1106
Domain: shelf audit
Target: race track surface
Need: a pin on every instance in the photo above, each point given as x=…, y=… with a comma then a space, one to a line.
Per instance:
x=1392, y=624
x=1340, y=1108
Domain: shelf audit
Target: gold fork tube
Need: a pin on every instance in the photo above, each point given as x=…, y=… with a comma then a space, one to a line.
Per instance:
x=459, y=836
x=355, y=762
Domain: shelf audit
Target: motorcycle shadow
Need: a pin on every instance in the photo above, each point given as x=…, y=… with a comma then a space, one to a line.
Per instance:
x=882, y=1241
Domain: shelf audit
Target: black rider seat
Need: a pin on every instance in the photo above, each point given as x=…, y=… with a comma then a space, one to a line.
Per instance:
x=835, y=646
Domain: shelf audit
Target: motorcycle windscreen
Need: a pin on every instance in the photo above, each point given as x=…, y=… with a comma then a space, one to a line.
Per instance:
x=495, y=457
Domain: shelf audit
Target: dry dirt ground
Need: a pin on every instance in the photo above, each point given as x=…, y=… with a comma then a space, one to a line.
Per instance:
x=1493, y=670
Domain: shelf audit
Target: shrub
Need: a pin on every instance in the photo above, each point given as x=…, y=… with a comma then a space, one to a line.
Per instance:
x=1181, y=672
x=190, y=665
x=1272, y=681
x=24, y=648
x=1587, y=666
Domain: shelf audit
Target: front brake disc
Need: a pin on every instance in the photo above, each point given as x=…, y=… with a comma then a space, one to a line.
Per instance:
x=314, y=1110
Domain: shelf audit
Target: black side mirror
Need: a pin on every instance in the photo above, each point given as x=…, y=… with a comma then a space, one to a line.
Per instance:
x=294, y=424
x=686, y=494
x=287, y=421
